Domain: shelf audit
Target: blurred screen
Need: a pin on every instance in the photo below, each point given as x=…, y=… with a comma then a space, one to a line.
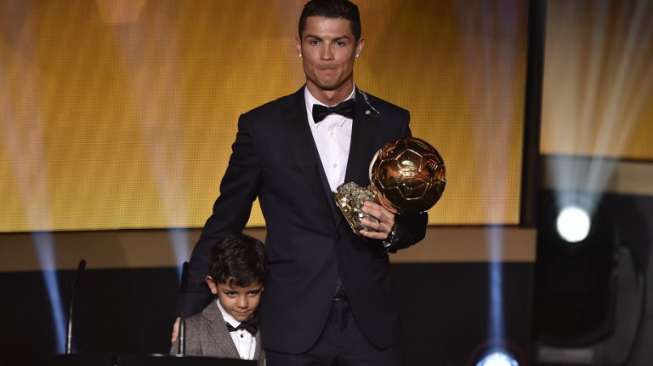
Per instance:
x=121, y=113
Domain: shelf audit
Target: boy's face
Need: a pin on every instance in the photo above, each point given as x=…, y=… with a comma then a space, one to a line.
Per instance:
x=239, y=302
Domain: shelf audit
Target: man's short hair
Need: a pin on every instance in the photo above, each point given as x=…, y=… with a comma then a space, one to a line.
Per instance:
x=238, y=260
x=332, y=9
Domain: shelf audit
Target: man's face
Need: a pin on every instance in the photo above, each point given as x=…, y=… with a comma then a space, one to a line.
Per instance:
x=239, y=302
x=328, y=50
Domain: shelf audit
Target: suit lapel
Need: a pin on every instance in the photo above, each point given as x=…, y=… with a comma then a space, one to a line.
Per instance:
x=257, y=349
x=301, y=140
x=361, y=146
x=219, y=340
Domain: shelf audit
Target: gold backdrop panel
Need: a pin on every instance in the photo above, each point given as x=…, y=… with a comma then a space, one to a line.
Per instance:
x=121, y=114
x=598, y=79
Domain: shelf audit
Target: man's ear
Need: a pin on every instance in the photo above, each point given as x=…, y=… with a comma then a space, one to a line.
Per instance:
x=298, y=45
x=213, y=286
x=359, y=46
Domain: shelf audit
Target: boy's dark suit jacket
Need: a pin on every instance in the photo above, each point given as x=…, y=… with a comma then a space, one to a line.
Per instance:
x=309, y=244
x=207, y=335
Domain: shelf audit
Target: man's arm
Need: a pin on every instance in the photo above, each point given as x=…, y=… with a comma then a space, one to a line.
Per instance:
x=238, y=189
x=408, y=230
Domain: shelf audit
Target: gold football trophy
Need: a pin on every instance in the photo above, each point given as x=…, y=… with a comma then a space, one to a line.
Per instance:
x=407, y=176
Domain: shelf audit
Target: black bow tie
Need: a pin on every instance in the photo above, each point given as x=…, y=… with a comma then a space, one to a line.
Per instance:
x=250, y=325
x=345, y=109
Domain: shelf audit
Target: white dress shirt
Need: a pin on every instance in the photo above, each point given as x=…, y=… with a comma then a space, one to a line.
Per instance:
x=244, y=341
x=332, y=138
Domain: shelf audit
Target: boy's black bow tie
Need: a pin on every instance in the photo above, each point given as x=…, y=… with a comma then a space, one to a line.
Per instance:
x=345, y=109
x=250, y=325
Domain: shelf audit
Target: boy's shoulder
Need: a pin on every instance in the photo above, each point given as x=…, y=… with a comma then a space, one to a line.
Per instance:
x=196, y=322
x=210, y=313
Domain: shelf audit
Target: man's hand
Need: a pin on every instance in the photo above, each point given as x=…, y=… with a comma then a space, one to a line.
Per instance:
x=175, y=331
x=381, y=227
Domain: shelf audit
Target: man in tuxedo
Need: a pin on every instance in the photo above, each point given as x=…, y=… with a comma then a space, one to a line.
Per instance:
x=328, y=295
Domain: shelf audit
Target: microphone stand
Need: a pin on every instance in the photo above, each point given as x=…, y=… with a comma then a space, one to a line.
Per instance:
x=181, y=350
x=181, y=346
x=69, y=330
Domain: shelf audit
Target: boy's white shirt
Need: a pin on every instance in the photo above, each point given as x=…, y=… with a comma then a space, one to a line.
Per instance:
x=244, y=341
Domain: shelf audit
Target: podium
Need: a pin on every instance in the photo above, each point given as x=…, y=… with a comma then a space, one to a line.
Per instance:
x=114, y=359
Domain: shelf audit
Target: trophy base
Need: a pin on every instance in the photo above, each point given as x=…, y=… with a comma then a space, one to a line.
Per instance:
x=350, y=198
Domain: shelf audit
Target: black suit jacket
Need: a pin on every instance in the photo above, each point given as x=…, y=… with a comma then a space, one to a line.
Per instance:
x=309, y=245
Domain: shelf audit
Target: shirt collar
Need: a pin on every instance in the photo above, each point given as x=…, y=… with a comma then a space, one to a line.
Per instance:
x=226, y=316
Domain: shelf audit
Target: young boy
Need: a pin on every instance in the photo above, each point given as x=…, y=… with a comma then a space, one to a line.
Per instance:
x=227, y=327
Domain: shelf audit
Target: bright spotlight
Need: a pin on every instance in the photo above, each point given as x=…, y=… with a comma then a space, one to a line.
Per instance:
x=497, y=358
x=573, y=224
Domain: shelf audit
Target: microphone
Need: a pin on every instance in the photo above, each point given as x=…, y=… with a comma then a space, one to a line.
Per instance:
x=69, y=330
x=369, y=105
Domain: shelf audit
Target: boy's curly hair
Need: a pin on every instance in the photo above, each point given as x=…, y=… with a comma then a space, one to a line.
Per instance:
x=238, y=260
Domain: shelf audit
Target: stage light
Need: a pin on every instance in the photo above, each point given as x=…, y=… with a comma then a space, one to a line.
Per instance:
x=44, y=247
x=179, y=240
x=497, y=358
x=573, y=224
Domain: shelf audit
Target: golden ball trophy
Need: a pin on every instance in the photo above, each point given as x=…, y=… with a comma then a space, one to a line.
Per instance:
x=407, y=176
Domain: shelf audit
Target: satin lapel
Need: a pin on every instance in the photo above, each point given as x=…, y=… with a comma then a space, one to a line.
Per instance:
x=300, y=139
x=361, y=146
x=257, y=349
x=220, y=342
